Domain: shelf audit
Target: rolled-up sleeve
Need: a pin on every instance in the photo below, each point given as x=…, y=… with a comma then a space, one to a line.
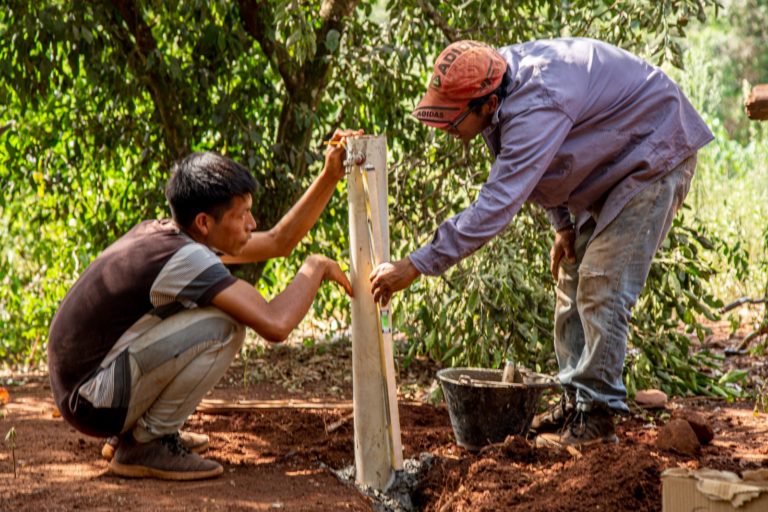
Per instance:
x=559, y=217
x=529, y=142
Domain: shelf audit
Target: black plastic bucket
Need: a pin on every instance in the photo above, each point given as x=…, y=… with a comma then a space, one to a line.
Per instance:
x=485, y=410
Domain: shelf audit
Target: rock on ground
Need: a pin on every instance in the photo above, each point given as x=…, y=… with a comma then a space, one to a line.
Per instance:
x=651, y=399
x=678, y=436
x=700, y=425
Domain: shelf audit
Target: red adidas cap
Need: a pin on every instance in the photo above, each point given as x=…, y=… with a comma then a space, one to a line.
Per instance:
x=465, y=70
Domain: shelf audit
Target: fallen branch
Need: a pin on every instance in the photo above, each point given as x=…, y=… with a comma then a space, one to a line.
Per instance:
x=339, y=423
x=742, y=347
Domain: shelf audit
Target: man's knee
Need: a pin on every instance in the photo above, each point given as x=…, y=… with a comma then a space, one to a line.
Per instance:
x=596, y=286
x=233, y=332
x=195, y=330
x=212, y=323
x=220, y=326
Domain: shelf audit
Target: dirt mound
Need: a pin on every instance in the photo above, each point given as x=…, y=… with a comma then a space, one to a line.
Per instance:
x=624, y=477
x=609, y=477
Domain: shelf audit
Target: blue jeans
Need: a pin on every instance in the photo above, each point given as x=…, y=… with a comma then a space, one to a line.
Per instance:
x=596, y=294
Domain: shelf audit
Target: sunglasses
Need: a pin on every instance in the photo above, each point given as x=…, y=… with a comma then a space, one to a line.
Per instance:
x=454, y=125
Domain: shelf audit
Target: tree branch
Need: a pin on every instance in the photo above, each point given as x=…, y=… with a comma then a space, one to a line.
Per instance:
x=304, y=84
x=332, y=11
x=7, y=126
x=449, y=32
x=259, y=23
x=312, y=79
x=138, y=44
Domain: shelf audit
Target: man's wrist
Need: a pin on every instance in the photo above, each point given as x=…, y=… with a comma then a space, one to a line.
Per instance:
x=413, y=272
x=318, y=262
x=569, y=227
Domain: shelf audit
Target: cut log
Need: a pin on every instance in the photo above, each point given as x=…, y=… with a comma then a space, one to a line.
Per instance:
x=757, y=103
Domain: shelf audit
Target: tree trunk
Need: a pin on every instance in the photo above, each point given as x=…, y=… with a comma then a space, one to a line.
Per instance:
x=305, y=84
x=137, y=47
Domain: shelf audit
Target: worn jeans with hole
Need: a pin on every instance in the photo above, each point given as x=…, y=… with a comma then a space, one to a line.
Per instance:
x=174, y=365
x=596, y=294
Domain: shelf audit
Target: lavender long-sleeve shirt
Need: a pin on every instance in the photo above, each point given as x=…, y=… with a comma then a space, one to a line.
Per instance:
x=585, y=127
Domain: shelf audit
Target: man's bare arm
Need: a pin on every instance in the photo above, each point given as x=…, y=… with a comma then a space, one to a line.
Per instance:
x=288, y=232
x=275, y=319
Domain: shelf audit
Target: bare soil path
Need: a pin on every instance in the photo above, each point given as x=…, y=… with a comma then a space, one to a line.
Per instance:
x=279, y=459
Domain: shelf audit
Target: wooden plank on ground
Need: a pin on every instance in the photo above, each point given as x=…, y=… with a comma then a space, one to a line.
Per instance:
x=757, y=103
x=212, y=406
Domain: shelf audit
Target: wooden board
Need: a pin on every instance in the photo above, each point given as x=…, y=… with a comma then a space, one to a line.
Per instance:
x=378, y=449
x=210, y=406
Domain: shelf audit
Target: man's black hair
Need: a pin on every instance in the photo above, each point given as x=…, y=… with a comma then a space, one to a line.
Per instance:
x=206, y=183
x=501, y=92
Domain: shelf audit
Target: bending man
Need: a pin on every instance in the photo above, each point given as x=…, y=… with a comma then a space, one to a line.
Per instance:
x=607, y=144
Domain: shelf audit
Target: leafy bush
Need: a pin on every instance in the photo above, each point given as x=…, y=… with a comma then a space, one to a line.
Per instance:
x=666, y=320
x=105, y=95
x=495, y=305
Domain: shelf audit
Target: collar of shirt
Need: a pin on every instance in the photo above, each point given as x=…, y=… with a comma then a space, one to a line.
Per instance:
x=494, y=119
x=489, y=135
x=511, y=68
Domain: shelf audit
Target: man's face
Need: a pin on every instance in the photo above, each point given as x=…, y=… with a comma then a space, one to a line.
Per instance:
x=470, y=123
x=466, y=129
x=233, y=230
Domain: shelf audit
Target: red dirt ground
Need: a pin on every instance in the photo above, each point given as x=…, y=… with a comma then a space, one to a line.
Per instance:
x=279, y=459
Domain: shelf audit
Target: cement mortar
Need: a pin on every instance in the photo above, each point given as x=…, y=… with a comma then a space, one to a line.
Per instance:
x=397, y=497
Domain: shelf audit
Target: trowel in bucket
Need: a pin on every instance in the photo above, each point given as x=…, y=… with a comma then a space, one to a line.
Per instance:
x=511, y=374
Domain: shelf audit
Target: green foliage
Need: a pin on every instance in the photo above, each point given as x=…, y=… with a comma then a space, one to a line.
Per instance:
x=105, y=95
x=730, y=191
x=666, y=319
x=491, y=307
x=734, y=48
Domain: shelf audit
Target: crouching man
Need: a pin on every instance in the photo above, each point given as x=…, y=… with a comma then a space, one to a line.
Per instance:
x=154, y=322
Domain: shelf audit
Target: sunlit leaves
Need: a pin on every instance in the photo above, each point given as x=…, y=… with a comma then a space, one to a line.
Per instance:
x=294, y=25
x=100, y=118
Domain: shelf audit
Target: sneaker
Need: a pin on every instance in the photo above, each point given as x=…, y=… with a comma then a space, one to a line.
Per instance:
x=555, y=419
x=590, y=427
x=194, y=442
x=165, y=458
x=197, y=443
